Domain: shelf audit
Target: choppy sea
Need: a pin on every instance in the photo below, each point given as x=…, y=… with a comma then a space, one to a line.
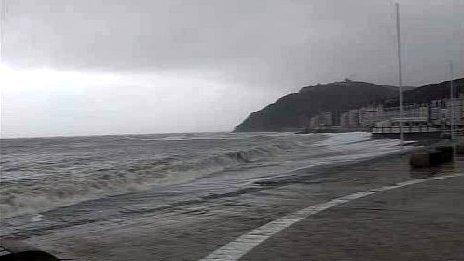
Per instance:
x=42, y=174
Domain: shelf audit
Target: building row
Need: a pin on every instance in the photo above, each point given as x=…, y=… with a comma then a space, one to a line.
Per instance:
x=437, y=112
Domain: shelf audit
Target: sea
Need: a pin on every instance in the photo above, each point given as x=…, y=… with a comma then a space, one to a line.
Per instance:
x=110, y=175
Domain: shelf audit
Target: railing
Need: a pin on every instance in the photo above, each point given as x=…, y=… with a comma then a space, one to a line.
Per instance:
x=406, y=129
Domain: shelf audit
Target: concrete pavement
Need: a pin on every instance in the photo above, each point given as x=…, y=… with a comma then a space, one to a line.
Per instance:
x=420, y=222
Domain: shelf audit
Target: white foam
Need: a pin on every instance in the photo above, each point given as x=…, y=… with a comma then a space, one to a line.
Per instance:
x=244, y=158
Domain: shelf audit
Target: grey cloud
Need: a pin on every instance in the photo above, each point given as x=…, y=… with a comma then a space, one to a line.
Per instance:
x=202, y=65
x=261, y=42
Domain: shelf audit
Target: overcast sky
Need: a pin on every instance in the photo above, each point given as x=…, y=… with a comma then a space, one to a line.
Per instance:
x=79, y=67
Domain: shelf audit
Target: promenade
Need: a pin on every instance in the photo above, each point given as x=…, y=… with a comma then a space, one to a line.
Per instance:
x=424, y=221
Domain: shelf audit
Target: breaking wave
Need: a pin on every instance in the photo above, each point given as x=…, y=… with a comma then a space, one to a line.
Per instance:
x=53, y=180
x=48, y=173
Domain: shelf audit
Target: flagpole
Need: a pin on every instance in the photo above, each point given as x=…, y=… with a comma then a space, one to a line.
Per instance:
x=400, y=79
x=2, y=28
x=451, y=102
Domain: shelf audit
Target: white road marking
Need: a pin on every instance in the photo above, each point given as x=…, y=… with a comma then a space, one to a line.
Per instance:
x=243, y=244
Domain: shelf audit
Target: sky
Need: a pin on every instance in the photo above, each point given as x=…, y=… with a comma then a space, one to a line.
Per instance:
x=90, y=67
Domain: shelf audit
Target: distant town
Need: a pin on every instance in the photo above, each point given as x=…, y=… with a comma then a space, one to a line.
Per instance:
x=353, y=105
x=437, y=113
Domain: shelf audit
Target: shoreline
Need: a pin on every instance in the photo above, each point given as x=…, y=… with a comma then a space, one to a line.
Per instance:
x=200, y=227
x=283, y=179
x=75, y=201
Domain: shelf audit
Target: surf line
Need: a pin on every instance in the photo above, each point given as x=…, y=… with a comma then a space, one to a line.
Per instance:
x=246, y=242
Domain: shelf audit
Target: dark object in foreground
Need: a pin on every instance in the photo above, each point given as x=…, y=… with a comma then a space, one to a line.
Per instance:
x=18, y=251
x=30, y=255
x=435, y=157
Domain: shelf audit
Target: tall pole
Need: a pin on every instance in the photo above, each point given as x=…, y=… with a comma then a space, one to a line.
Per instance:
x=2, y=28
x=451, y=102
x=400, y=78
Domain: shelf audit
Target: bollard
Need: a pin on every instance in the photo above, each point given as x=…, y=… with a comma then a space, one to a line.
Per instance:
x=425, y=159
x=447, y=153
x=436, y=157
x=420, y=160
x=460, y=149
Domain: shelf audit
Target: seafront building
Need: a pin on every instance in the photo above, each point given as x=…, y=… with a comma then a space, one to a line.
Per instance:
x=324, y=119
x=437, y=113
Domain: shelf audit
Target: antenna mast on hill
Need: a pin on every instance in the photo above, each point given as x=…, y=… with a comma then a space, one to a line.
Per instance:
x=400, y=79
